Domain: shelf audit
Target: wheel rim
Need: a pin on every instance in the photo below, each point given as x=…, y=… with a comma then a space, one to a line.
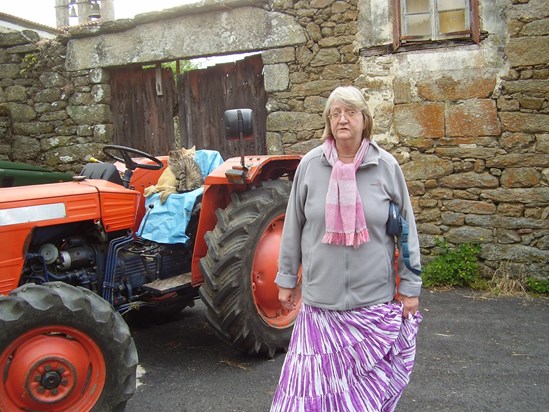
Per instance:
x=264, y=269
x=52, y=368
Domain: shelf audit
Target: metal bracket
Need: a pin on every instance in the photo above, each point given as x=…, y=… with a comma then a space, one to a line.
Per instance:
x=158, y=79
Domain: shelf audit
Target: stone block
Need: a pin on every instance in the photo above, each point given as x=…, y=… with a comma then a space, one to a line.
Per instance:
x=516, y=141
x=470, y=206
x=314, y=88
x=524, y=122
x=402, y=90
x=468, y=180
x=293, y=121
x=9, y=71
x=532, y=86
x=101, y=93
x=48, y=95
x=16, y=94
x=428, y=215
x=103, y=133
x=303, y=147
x=341, y=71
x=99, y=75
x=215, y=33
x=320, y=4
x=276, y=77
x=473, y=118
x=274, y=143
x=528, y=51
x=515, y=253
x=538, y=196
x=419, y=119
x=467, y=234
x=54, y=116
x=25, y=148
x=14, y=38
x=542, y=143
x=427, y=167
x=453, y=219
x=19, y=112
x=473, y=86
x=32, y=128
x=520, y=177
x=467, y=152
x=315, y=104
x=52, y=79
x=511, y=209
x=519, y=160
x=325, y=57
x=283, y=55
x=99, y=113
x=304, y=56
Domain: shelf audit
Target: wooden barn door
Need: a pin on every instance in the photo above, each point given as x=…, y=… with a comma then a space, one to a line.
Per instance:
x=143, y=105
x=204, y=95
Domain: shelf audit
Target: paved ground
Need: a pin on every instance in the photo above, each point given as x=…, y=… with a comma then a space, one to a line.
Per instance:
x=474, y=354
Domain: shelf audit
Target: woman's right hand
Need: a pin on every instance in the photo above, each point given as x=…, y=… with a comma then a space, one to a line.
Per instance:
x=289, y=298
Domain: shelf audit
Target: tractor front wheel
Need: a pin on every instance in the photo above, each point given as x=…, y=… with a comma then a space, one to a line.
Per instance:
x=63, y=348
x=240, y=268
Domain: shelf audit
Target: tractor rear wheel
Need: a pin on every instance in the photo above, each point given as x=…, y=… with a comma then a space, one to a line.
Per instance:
x=63, y=348
x=240, y=268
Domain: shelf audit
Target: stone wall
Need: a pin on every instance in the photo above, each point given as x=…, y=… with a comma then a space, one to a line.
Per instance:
x=48, y=116
x=469, y=124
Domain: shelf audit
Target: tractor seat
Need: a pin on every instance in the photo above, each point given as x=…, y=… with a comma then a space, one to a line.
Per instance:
x=103, y=171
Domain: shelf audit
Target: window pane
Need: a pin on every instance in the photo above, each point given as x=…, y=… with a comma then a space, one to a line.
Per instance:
x=451, y=21
x=418, y=25
x=417, y=6
x=451, y=4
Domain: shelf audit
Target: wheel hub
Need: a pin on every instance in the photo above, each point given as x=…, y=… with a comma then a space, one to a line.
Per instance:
x=47, y=370
x=51, y=380
x=264, y=289
x=44, y=383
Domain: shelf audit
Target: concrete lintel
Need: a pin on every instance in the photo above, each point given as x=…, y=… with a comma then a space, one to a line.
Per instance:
x=239, y=30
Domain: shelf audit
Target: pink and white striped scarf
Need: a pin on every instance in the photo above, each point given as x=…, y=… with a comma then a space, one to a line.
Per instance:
x=345, y=220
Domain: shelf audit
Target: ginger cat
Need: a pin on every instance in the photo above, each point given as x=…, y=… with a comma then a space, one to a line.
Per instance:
x=182, y=175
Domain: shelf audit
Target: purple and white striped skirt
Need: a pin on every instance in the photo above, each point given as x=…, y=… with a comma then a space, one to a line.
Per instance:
x=347, y=361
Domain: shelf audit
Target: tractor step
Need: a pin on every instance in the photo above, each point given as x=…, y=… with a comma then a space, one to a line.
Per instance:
x=163, y=286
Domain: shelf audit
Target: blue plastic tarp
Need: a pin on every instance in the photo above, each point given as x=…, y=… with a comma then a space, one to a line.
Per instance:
x=167, y=223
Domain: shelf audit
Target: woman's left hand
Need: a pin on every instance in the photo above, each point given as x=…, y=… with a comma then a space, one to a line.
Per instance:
x=410, y=305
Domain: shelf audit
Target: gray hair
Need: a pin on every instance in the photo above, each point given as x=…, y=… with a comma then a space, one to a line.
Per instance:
x=352, y=97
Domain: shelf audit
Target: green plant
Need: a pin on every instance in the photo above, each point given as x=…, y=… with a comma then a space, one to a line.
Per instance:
x=539, y=286
x=29, y=63
x=456, y=266
x=184, y=66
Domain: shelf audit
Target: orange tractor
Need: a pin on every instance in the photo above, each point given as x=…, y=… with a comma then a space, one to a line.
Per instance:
x=73, y=263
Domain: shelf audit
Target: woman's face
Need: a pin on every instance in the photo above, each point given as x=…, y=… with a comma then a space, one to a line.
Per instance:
x=346, y=123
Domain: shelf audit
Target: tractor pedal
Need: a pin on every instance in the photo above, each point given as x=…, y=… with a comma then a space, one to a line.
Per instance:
x=163, y=286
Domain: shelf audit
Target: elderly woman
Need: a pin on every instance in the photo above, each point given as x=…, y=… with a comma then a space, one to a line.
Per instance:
x=353, y=344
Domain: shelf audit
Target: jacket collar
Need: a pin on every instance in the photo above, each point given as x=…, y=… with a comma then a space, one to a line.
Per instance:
x=371, y=159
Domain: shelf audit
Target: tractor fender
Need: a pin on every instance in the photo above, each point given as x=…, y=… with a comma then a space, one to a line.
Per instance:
x=218, y=189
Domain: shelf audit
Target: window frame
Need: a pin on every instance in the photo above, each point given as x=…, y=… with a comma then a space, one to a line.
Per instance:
x=471, y=35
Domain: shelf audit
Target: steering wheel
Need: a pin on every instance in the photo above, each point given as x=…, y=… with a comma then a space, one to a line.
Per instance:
x=126, y=153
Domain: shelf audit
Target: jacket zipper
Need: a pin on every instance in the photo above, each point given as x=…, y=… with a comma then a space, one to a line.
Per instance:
x=347, y=279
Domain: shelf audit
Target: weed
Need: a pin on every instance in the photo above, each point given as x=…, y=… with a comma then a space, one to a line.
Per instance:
x=538, y=286
x=453, y=266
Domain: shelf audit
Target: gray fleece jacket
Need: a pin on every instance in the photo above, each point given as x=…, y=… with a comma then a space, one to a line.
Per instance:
x=341, y=277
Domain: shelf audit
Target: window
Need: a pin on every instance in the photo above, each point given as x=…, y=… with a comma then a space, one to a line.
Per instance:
x=435, y=21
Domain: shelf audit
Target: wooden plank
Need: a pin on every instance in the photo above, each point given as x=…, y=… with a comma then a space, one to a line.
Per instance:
x=143, y=119
x=169, y=284
x=204, y=95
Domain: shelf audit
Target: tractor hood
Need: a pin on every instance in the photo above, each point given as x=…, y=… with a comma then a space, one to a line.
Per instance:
x=57, y=203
